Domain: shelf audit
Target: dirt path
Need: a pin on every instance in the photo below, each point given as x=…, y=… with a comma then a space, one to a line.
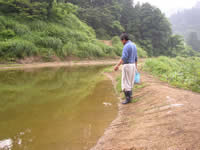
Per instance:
x=165, y=118
x=58, y=64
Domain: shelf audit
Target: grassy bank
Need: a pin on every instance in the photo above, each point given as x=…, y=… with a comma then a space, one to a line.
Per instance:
x=49, y=31
x=63, y=35
x=180, y=72
x=64, y=38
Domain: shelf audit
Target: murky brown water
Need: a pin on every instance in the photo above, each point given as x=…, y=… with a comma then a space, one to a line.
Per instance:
x=54, y=108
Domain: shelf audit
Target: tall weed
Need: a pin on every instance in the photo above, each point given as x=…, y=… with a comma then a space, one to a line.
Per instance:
x=17, y=48
x=181, y=72
x=67, y=36
x=50, y=42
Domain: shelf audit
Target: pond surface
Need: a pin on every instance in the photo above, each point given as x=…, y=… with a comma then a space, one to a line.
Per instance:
x=54, y=108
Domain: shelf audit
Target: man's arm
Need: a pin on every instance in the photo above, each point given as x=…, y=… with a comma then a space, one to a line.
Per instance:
x=123, y=58
x=117, y=66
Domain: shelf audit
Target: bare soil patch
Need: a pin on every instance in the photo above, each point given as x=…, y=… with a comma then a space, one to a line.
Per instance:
x=165, y=118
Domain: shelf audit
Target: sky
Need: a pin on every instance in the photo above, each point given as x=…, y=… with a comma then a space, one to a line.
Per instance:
x=170, y=6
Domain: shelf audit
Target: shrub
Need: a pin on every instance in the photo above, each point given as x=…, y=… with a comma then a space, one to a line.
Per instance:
x=102, y=34
x=107, y=50
x=50, y=42
x=17, y=48
x=86, y=49
x=116, y=40
x=3, y=21
x=14, y=25
x=69, y=49
x=79, y=36
x=118, y=47
x=38, y=25
x=32, y=37
x=46, y=53
x=72, y=23
x=62, y=35
x=20, y=29
x=117, y=27
x=141, y=52
x=2, y=27
x=6, y=34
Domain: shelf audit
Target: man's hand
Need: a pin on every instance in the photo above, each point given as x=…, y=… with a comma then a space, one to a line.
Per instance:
x=116, y=68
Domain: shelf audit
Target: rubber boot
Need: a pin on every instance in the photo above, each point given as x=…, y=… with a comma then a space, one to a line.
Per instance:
x=128, y=97
x=131, y=94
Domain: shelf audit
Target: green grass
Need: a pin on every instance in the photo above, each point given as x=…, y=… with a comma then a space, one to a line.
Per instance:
x=119, y=86
x=108, y=69
x=141, y=52
x=116, y=43
x=139, y=86
x=62, y=37
x=9, y=65
x=180, y=72
x=135, y=100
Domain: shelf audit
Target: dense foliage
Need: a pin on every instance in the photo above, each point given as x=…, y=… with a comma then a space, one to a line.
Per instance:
x=187, y=23
x=180, y=72
x=34, y=34
x=146, y=24
x=150, y=28
x=102, y=15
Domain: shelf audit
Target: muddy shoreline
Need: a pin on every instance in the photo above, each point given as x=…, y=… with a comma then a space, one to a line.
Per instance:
x=111, y=131
x=164, y=118
x=57, y=64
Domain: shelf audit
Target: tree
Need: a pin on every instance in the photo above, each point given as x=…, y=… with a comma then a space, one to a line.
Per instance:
x=175, y=45
x=193, y=41
x=187, y=23
x=102, y=15
x=127, y=12
x=149, y=26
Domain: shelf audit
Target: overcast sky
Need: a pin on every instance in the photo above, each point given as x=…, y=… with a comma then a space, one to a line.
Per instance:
x=171, y=6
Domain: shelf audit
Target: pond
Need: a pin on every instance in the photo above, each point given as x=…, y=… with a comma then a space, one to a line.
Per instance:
x=64, y=108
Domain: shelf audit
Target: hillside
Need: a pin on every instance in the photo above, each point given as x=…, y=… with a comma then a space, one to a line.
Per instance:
x=61, y=35
x=56, y=29
x=146, y=24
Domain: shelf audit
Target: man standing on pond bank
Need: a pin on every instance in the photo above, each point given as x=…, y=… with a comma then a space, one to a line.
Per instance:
x=129, y=61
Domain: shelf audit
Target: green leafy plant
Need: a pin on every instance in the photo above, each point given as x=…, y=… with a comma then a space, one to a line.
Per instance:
x=179, y=71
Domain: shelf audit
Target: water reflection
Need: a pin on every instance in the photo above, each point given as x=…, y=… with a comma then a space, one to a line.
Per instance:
x=6, y=144
x=62, y=108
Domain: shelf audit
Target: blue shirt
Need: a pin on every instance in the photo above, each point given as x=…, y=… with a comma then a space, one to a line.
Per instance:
x=129, y=54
